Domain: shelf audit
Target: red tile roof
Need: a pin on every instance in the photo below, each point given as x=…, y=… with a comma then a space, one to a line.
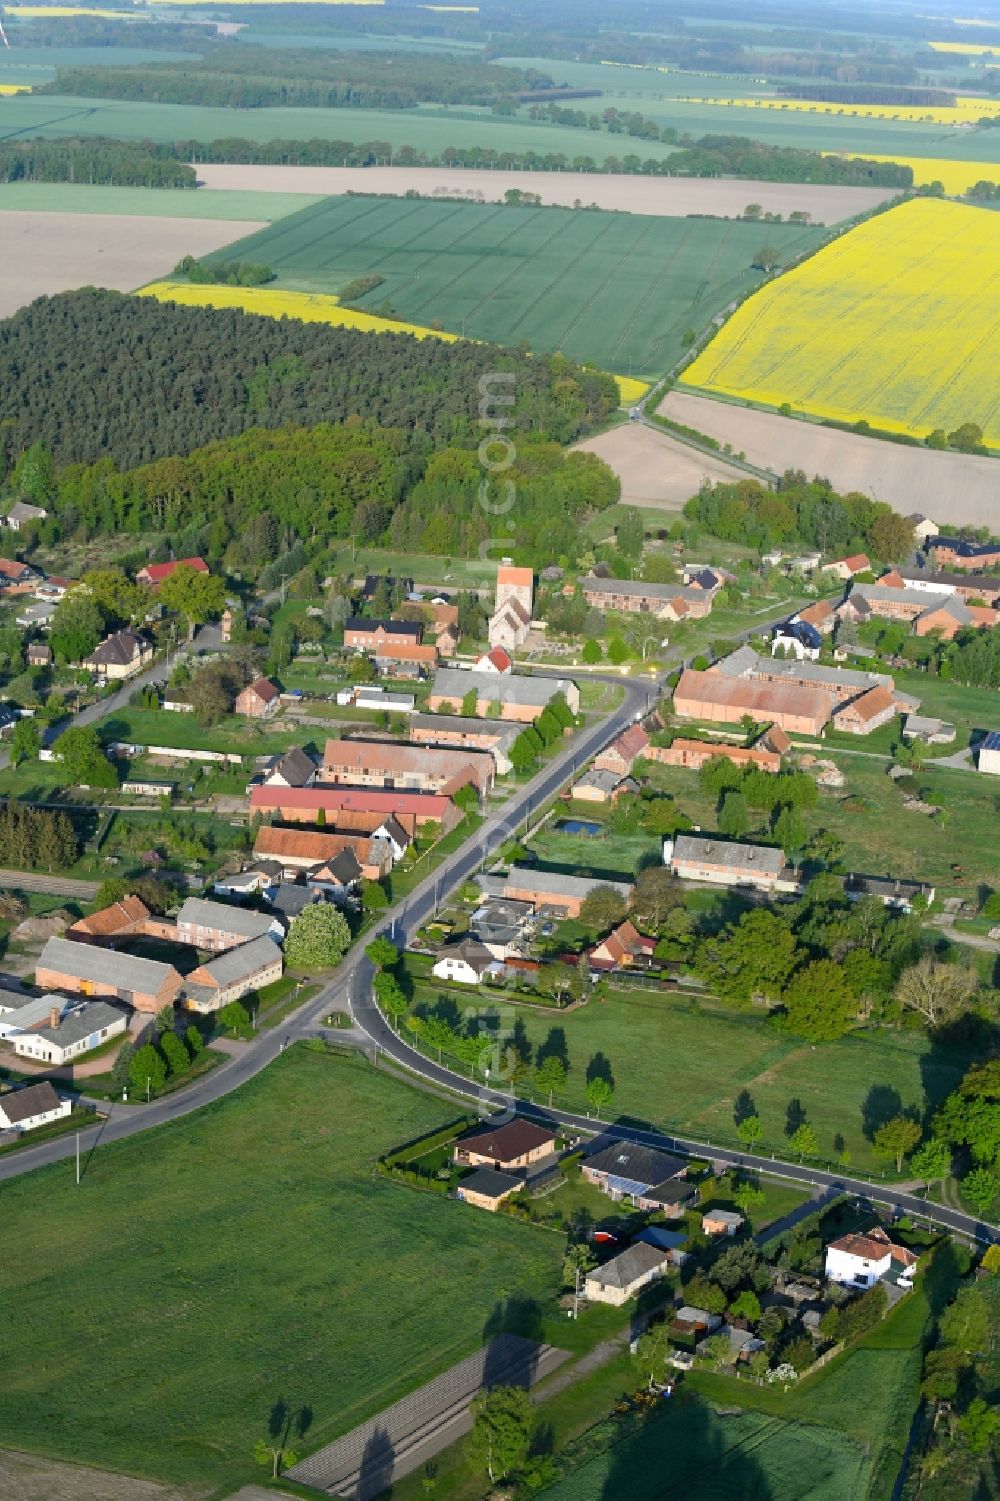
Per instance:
x=501, y=661
x=157, y=572
x=264, y=689
x=357, y=799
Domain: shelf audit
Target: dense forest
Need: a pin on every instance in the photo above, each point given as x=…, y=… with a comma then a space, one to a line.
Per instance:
x=96, y=373
x=242, y=77
x=801, y=510
x=126, y=164
x=240, y=502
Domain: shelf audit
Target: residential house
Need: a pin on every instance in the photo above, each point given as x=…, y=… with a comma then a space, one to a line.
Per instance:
x=258, y=700
x=51, y=589
x=392, y=588
x=392, y=833
x=953, y=615
x=944, y=611
x=20, y=1012
x=742, y=1343
x=83, y=969
x=374, y=696
x=286, y=899
x=517, y=697
x=154, y=574
x=721, y=862
x=959, y=552
x=22, y=514
x=510, y=623
x=8, y=718
x=487, y=1189
x=861, y=1260
x=372, y=635
x=495, y=660
x=120, y=656
x=988, y=757
x=694, y=754
x=602, y=787
x=307, y=849
x=820, y=615
x=219, y=925
x=841, y=683
x=293, y=769
x=407, y=660
x=337, y=878
x=624, y=948
x=923, y=526
x=625, y=1275
x=510, y=1148
x=303, y=804
x=984, y=586
x=721, y=1222
x=690, y=1323
x=671, y=1241
x=627, y=1170
x=126, y=918
x=243, y=883
x=17, y=577
x=502, y=926
x=634, y=597
x=865, y=713
x=798, y=639
x=37, y=617
x=232, y=975
x=552, y=891
x=623, y=752
x=846, y=568
x=715, y=697
x=697, y=576
x=388, y=764
x=466, y=962
x=70, y=1033
x=33, y=1106
x=493, y=736
x=39, y=654
x=889, y=890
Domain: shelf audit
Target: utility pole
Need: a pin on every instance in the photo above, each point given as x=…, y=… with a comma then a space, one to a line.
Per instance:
x=78, y=1159
x=576, y=1292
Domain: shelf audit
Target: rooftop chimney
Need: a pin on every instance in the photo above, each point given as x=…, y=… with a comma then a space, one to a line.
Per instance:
x=54, y=1015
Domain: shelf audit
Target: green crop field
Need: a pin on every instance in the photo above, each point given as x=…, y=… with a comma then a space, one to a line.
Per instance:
x=679, y=1065
x=34, y=65
x=429, y=128
x=747, y=1455
x=617, y=290
x=160, y=203
x=239, y=1259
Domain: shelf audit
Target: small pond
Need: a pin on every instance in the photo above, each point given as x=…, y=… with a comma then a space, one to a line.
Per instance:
x=578, y=826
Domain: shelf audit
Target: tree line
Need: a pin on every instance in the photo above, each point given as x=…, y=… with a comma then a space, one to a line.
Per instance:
x=868, y=93
x=36, y=838
x=235, y=76
x=124, y=164
x=93, y=373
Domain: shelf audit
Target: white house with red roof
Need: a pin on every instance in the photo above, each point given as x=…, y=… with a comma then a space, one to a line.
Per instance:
x=495, y=660
x=846, y=568
x=862, y=1259
x=154, y=573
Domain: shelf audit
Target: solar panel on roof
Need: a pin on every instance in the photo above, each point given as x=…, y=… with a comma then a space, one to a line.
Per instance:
x=626, y=1185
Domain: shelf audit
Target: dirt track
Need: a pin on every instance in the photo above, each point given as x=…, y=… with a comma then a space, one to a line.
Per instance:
x=950, y=487
x=45, y=253
x=637, y=195
x=655, y=470
x=29, y=1477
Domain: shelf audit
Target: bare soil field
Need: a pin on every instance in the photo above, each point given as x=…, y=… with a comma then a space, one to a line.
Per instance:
x=44, y=253
x=29, y=1477
x=668, y=196
x=655, y=470
x=950, y=487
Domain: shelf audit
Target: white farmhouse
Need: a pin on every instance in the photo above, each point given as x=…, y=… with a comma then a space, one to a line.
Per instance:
x=861, y=1260
x=36, y=1105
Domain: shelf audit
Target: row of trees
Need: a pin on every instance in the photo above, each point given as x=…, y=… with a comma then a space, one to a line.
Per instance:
x=123, y=164
x=133, y=380
x=36, y=838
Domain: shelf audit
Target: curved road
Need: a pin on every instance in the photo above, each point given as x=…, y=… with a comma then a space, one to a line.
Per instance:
x=353, y=983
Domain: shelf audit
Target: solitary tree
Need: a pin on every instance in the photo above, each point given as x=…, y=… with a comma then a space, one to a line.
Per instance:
x=318, y=937
x=651, y=1351
x=25, y=742
x=750, y=1130
x=932, y=1161
x=550, y=1075
x=383, y=953
x=272, y=1451
x=600, y=1093
x=803, y=1140
x=501, y=1425
x=897, y=1138
x=935, y=991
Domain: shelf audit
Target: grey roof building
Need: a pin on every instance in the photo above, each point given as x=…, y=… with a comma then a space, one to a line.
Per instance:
x=502, y=688
x=558, y=883
x=109, y=967
x=629, y=1266
x=79, y=1022
x=223, y=917
x=629, y=1160
x=294, y=768
x=234, y=967
x=35, y=1099
x=690, y=849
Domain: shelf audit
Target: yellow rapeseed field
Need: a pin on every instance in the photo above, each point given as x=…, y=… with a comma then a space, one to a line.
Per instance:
x=15, y=88
x=955, y=177
x=971, y=49
x=897, y=322
x=965, y=111
x=318, y=307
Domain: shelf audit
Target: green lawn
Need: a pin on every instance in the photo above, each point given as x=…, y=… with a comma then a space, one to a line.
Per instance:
x=617, y=856
x=238, y=736
x=679, y=1064
x=160, y=203
x=617, y=290
x=241, y=1258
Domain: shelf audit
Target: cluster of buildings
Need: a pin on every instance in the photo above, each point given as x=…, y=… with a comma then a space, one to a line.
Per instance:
x=942, y=603
x=799, y=697
x=691, y=600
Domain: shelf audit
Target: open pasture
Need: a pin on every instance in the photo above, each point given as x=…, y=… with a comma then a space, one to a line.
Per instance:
x=616, y=290
x=239, y=1258
x=897, y=323
x=672, y=197
x=52, y=252
x=245, y=206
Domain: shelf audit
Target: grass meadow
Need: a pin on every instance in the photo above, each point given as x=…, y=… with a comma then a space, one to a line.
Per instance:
x=238, y=1259
x=159, y=203
x=618, y=290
